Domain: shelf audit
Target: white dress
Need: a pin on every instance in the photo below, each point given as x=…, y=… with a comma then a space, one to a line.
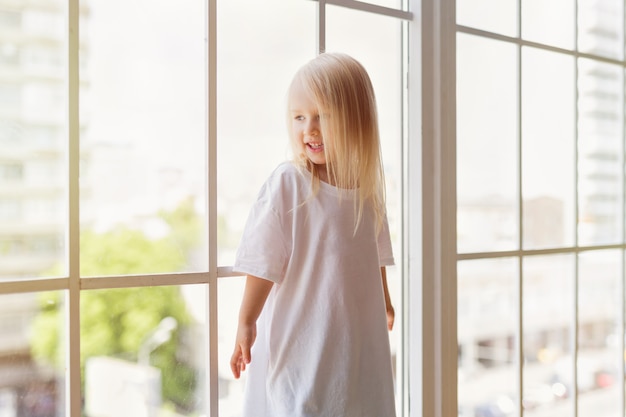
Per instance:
x=322, y=347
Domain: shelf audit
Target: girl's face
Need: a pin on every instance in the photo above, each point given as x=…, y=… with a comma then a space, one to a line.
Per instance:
x=305, y=125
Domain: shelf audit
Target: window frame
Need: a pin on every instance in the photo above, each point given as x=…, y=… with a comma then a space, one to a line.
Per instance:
x=576, y=249
x=430, y=215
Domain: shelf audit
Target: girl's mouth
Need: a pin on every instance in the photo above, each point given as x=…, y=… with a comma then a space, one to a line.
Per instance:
x=315, y=147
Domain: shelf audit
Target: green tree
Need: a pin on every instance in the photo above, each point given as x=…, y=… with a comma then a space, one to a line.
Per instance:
x=185, y=224
x=115, y=322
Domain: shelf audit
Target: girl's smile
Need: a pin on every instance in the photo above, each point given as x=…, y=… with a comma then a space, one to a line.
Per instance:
x=315, y=147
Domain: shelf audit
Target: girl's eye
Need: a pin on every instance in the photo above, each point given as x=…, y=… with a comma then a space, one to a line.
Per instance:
x=299, y=118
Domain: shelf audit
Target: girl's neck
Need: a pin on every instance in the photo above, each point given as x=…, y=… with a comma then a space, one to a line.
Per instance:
x=323, y=174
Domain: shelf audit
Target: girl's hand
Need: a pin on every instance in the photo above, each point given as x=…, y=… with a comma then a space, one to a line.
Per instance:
x=391, y=316
x=246, y=334
x=254, y=296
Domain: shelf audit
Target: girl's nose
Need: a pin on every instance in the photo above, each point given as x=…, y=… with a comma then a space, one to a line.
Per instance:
x=312, y=128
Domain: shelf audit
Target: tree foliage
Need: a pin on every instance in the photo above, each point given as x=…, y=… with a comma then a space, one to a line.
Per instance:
x=115, y=322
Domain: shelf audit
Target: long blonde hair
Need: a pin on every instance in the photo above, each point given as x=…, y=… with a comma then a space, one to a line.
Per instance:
x=343, y=92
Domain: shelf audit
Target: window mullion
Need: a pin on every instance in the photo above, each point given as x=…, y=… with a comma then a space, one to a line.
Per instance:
x=73, y=385
x=622, y=288
x=212, y=360
x=622, y=315
x=434, y=376
x=321, y=27
x=405, y=285
x=369, y=7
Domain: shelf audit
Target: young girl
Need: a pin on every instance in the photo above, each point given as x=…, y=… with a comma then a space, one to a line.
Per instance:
x=314, y=249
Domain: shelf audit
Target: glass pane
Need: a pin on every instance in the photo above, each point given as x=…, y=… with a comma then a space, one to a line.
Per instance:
x=380, y=52
x=600, y=27
x=599, y=360
x=33, y=139
x=254, y=73
x=547, y=334
x=143, y=351
x=487, y=155
x=487, y=337
x=32, y=365
x=498, y=16
x=548, y=144
x=600, y=153
x=550, y=22
x=143, y=143
x=231, y=390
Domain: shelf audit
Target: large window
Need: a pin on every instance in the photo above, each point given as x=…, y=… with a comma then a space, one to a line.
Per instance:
x=135, y=135
x=540, y=207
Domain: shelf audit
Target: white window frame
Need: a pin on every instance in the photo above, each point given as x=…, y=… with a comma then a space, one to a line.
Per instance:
x=450, y=33
x=430, y=214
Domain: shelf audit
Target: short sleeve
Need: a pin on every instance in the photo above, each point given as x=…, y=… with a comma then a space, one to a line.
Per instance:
x=263, y=251
x=385, y=251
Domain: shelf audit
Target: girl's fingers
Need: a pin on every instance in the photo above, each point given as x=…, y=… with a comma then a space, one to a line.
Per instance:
x=390, y=319
x=235, y=367
x=236, y=363
x=241, y=357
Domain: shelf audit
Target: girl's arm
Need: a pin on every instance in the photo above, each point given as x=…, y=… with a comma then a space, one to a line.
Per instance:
x=254, y=296
x=390, y=311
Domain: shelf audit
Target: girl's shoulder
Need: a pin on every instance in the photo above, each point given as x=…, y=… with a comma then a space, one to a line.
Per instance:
x=286, y=168
x=287, y=179
x=288, y=173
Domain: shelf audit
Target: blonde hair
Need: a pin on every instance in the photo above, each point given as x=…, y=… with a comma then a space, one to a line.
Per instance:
x=343, y=93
